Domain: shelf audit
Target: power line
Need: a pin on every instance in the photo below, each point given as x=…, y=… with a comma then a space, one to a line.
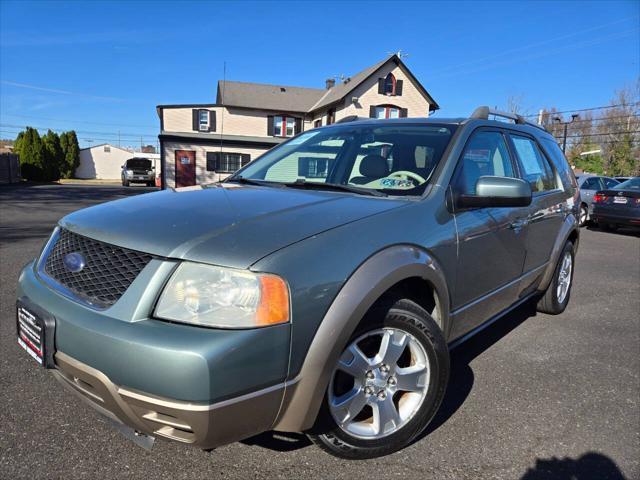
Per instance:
x=76, y=121
x=548, y=112
x=625, y=132
x=84, y=132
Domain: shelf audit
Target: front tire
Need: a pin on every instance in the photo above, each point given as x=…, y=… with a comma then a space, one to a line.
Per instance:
x=387, y=385
x=556, y=298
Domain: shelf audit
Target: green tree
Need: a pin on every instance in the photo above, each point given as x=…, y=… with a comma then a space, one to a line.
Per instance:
x=31, y=151
x=71, y=153
x=53, y=155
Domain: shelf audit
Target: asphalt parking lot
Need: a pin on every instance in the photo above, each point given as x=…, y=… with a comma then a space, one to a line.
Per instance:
x=532, y=397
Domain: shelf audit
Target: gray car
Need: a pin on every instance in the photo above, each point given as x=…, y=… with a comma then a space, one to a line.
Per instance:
x=317, y=290
x=589, y=185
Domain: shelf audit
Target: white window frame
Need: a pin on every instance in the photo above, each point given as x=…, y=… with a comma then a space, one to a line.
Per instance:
x=286, y=122
x=203, y=127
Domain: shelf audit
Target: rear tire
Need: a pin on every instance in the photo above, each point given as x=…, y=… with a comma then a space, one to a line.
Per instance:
x=583, y=218
x=380, y=416
x=556, y=298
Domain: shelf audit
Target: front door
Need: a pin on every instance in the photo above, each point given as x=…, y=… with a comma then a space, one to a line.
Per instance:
x=185, y=168
x=491, y=241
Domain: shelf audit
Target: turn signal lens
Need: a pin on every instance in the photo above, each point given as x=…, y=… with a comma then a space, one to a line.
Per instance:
x=274, y=301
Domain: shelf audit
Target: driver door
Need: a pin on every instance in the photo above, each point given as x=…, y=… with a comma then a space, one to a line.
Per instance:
x=491, y=241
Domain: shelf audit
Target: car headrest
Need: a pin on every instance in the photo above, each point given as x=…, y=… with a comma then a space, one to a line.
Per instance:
x=374, y=166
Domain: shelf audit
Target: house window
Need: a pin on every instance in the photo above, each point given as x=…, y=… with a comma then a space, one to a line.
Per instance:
x=107, y=148
x=226, y=162
x=317, y=123
x=390, y=85
x=203, y=120
x=331, y=116
x=387, y=112
x=284, y=126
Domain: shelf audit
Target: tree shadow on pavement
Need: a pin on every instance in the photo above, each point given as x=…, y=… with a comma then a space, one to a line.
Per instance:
x=590, y=466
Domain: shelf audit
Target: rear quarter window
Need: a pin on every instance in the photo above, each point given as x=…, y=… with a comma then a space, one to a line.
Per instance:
x=565, y=171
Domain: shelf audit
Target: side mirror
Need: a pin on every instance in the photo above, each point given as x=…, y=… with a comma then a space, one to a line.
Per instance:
x=497, y=192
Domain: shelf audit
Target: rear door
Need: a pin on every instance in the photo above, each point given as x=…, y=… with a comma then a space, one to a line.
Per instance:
x=185, y=168
x=547, y=209
x=491, y=241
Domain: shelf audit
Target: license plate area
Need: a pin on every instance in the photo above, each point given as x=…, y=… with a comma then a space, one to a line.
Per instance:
x=619, y=199
x=36, y=329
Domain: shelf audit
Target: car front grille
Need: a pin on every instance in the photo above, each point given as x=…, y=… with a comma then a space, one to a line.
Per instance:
x=107, y=273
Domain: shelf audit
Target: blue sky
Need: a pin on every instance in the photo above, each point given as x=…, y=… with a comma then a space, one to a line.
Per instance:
x=101, y=67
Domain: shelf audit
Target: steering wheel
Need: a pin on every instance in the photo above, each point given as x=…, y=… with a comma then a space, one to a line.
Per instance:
x=407, y=174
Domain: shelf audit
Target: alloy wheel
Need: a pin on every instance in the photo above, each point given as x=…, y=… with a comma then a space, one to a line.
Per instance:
x=564, y=277
x=380, y=382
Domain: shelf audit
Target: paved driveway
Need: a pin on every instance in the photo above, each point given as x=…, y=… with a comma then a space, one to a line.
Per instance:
x=532, y=397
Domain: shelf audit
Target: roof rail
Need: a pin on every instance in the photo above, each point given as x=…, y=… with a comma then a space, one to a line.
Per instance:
x=352, y=118
x=482, y=113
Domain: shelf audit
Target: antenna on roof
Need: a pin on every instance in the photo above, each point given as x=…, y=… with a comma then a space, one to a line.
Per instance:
x=399, y=54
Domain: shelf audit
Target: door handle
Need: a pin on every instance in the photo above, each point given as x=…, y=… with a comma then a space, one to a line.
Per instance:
x=518, y=224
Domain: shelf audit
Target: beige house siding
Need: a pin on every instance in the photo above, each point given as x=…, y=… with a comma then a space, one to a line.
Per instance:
x=202, y=175
x=180, y=119
x=230, y=120
x=367, y=93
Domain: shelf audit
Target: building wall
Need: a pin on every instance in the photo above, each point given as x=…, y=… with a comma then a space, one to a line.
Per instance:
x=367, y=93
x=229, y=120
x=96, y=163
x=202, y=175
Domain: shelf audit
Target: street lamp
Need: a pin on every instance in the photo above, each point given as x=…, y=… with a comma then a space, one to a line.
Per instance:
x=558, y=120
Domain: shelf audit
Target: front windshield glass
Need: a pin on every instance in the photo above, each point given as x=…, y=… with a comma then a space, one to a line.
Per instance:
x=631, y=184
x=393, y=159
x=139, y=163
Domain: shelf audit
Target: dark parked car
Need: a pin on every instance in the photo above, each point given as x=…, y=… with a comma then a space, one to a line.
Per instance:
x=589, y=185
x=138, y=170
x=319, y=289
x=618, y=206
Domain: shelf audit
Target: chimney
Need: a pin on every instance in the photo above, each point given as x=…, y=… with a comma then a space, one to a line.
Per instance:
x=330, y=83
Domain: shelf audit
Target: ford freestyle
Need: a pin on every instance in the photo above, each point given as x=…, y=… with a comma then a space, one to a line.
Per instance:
x=318, y=290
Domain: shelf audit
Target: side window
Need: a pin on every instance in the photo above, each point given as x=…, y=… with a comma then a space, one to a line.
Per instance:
x=610, y=182
x=486, y=154
x=535, y=167
x=592, y=183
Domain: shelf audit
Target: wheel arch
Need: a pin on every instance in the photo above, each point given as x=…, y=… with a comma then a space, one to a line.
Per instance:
x=392, y=268
x=570, y=231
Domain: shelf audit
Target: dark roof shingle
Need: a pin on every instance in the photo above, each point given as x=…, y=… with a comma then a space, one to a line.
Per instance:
x=268, y=97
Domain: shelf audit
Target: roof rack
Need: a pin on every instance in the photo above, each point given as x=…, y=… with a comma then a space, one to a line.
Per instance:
x=352, y=118
x=482, y=113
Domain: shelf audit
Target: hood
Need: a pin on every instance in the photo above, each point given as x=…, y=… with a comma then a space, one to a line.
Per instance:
x=224, y=224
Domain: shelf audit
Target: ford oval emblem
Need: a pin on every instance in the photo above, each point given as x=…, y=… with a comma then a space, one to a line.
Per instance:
x=74, y=262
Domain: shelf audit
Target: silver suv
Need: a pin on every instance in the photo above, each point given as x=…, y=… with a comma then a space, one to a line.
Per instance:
x=317, y=290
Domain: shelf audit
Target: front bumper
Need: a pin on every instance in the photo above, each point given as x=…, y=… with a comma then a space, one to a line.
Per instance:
x=204, y=425
x=196, y=385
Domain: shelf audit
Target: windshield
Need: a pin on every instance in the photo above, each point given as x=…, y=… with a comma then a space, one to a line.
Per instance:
x=139, y=163
x=631, y=184
x=392, y=159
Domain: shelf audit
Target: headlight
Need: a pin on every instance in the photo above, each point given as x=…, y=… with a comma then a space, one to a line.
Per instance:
x=221, y=297
x=129, y=173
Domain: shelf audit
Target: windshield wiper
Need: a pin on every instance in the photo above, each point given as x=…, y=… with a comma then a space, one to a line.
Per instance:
x=302, y=183
x=251, y=181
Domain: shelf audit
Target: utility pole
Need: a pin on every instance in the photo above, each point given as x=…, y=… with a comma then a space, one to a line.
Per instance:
x=540, y=116
x=559, y=121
